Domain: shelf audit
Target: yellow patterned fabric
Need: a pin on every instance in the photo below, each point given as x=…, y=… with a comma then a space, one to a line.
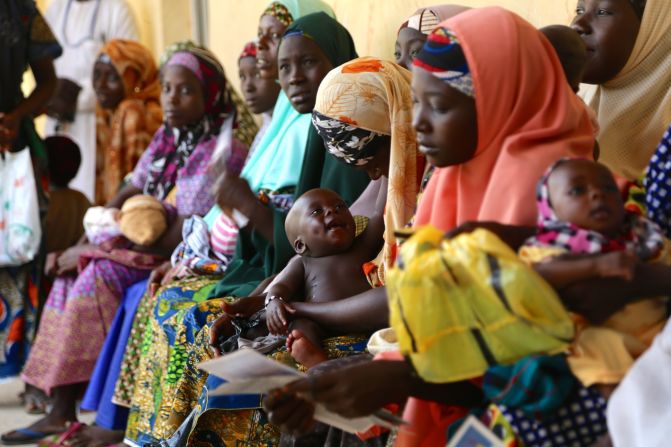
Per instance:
x=461, y=305
x=603, y=354
x=634, y=108
x=374, y=95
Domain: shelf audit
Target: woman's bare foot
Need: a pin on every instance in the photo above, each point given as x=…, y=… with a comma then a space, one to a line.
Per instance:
x=92, y=436
x=303, y=350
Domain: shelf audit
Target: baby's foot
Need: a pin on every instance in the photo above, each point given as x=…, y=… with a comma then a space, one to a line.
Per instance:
x=303, y=350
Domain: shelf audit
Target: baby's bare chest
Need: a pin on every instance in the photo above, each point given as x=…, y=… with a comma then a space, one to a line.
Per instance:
x=333, y=280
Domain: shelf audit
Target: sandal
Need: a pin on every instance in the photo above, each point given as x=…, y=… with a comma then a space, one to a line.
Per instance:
x=62, y=440
x=28, y=436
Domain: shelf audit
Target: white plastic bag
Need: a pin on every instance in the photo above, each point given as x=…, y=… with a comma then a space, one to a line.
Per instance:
x=20, y=231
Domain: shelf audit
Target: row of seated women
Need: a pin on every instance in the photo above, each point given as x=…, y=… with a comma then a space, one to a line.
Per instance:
x=476, y=139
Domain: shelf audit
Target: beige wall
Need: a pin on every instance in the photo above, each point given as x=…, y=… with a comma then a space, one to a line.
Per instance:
x=373, y=23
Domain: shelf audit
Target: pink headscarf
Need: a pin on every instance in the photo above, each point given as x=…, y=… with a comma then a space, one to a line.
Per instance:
x=527, y=115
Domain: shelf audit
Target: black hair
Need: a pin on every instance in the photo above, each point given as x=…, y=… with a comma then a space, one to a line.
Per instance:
x=64, y=158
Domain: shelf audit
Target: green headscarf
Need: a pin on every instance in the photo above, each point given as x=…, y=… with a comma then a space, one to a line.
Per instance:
x=255, y=259
x=333, y=38
x=275, y=164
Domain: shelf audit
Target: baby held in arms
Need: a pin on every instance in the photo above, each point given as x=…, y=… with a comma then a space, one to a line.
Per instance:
x=332, y=246
x=585, y=232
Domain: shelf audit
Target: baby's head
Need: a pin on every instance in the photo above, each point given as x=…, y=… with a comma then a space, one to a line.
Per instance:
x=64, y=158
x=584, y=193
x=570, y=49
x=320, y=224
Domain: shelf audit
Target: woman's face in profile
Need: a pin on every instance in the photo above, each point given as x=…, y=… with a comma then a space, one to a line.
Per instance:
x=445, y=120
x=609, y=29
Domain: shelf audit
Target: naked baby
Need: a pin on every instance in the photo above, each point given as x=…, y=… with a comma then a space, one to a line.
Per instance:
x=332, y=246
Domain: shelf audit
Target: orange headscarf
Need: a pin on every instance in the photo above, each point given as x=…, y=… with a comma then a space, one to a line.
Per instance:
x=136, y=66
x=123, y=134
x=528, y=117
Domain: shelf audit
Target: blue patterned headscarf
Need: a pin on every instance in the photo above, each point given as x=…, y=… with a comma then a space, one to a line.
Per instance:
x=443, y=56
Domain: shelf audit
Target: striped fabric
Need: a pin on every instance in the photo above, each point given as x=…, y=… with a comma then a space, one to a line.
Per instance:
x=223, y=236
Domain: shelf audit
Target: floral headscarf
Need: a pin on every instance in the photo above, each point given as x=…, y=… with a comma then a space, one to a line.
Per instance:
x=280, y=12
x=639, y=234
x=356, y=103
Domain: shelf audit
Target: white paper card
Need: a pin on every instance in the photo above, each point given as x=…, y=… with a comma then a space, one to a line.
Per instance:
x=248, y=372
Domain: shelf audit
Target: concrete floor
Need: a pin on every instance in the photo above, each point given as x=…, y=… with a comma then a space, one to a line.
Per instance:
x=11, y=412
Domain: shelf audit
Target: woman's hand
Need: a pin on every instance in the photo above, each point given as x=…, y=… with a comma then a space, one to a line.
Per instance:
x=617, y=264
x=51, y=263
x=234, y=192
x=357, y=390
x=244, y=307
x=68, y=260
x=221, y=329
x=157, y=276
x=291, y=413
x=9, y=129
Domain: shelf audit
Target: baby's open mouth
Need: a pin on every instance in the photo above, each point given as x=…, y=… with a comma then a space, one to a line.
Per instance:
x=335, y=225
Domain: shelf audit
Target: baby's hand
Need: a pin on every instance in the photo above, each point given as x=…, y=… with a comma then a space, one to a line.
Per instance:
x=277, y=313
x=619, y=264
x=114, y=213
